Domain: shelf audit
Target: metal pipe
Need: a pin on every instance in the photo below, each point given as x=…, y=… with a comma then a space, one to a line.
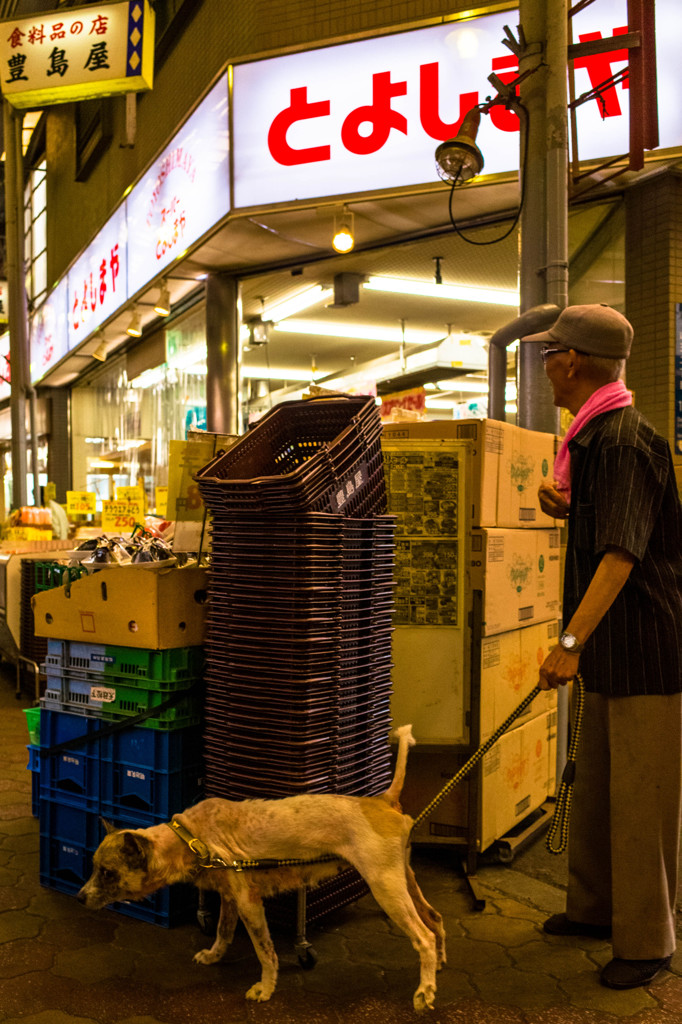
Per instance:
x=14, y=207
x=223, y=354
x=530, y=322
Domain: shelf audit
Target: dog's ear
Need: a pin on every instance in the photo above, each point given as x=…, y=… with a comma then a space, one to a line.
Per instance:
x=108, y=827
x=135, y=849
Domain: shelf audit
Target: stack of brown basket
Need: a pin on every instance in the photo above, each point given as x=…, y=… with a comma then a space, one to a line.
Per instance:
x=298, y=644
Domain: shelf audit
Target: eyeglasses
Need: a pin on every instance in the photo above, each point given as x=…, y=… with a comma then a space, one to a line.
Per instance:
x=546, y=351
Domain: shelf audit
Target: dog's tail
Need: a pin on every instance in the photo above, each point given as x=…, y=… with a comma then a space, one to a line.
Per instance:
x=405, y=741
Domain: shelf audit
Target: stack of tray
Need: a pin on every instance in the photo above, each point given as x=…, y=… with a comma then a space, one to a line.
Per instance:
x=298, y=643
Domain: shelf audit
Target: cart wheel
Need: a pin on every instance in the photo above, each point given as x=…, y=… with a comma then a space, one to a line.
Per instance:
x=307, y=957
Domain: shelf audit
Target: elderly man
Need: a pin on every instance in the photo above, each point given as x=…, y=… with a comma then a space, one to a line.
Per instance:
x=614, y=481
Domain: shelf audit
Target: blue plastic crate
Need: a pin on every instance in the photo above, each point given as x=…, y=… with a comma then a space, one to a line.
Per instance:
x=147, y=793
x=34, y=768
x=69, y=837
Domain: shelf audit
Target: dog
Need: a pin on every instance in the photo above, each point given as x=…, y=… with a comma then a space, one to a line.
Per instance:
x=208, y=843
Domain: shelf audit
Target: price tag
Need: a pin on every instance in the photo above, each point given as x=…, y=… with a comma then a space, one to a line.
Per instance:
x=130, y=494
x=81, y=503
x=121, y=516
x=102, y=693
x=161, y=494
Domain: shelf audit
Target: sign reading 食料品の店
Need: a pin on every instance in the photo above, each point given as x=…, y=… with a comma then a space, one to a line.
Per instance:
x=77, y=53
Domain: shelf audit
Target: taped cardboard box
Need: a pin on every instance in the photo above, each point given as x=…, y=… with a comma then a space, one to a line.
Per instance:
x=517, y=776
x=127, y=606
x=508, y=465
x=509, y=672
x=518, y=572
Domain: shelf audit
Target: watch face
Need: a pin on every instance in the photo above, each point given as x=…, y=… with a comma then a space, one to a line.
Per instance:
x=568, y=641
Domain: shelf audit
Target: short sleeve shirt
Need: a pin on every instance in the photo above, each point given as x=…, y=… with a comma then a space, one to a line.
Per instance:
x=624, y=494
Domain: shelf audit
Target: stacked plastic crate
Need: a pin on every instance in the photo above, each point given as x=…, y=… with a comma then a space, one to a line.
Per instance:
x=298, y=640
x=120, y=738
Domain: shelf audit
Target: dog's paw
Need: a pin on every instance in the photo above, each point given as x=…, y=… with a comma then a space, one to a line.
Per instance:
x=424, y=998
x=206, y=956
x=259, y=993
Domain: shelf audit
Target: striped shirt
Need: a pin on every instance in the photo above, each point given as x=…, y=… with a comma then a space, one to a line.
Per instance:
x=624, y=494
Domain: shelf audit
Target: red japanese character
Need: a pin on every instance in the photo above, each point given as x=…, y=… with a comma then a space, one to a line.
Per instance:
x=102, y=281
x=58, y=30
x=15, y=39
x=99, y=25
x=429, y=105
x=74, y=311
x=598, y=67
x=298, y=110
x=379, y=113
x=76, y=28
x=36, y=34
x=114, y=266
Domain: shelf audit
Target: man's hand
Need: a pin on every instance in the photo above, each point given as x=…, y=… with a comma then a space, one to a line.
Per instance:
x=558, y=668
x=552, y=501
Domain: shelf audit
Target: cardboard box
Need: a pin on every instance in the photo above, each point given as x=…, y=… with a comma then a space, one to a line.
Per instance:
x=127, y=606
x=517, y=776
x=431, y=683
x=508, y=465
x=518, y=572
x=509, y=672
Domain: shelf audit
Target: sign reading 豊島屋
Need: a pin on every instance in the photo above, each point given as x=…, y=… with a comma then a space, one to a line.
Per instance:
x=77, y=53
x=368, y=115
x=184, y=193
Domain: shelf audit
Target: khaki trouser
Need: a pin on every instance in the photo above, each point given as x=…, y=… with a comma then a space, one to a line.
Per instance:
x=625, y=822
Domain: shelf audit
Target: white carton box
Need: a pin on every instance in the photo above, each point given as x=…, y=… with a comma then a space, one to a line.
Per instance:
x=508, y=465
x=509, y=672
x=517, y=776
x=518, y=572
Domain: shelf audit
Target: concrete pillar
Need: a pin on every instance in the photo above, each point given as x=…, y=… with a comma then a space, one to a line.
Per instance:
x=653, y=288
x=543, y=256
x=223, y=376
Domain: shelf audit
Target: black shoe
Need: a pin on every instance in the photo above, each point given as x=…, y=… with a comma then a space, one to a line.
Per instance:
x=559, y=924
x=632, y=973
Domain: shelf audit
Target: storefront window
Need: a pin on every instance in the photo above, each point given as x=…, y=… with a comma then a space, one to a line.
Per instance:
x=122, y=424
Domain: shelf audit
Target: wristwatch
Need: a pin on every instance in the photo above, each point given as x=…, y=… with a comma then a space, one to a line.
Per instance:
x=570, y=643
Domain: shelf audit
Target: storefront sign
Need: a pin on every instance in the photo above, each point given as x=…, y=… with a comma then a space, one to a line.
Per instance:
x=4, y=308
x=98, y=280
x=678, y=378
x=5, y=373
x=184, y=193
x=304, y=126
x=49, y=331
x=77, y=53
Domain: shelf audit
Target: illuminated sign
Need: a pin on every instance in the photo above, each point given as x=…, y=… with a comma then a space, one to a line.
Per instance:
x=98, y=280
x=305, y=126
x=5, y=375
x=77, y=53
x=183, y=194
x=49, y=340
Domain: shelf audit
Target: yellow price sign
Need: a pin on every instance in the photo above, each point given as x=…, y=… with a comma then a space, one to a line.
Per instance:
x=121, y=516
x=81, y=503
x=130, y=493
x=161, y=496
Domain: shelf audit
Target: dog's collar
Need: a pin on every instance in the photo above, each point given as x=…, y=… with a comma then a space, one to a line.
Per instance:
x=198, y=847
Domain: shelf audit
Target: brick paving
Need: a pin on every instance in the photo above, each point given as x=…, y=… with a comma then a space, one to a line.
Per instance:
x=63, y=964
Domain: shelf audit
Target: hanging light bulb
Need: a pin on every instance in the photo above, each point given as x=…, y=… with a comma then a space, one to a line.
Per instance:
x=343, y=239
x=163, y=303
x=459, y=159
x=134, y=328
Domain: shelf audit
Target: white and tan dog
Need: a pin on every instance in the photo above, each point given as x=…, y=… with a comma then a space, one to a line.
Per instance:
x=370, y=833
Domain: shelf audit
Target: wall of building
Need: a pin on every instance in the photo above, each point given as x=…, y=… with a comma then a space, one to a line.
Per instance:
x=653, y=285
x=214, y=35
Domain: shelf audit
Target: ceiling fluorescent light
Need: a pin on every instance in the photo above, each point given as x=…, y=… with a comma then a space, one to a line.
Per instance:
x=275, y=373
x=363, y=332
x=302, y=300
x=457, y=292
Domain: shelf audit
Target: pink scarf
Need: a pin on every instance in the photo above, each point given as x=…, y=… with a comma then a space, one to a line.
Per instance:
x=605, y=399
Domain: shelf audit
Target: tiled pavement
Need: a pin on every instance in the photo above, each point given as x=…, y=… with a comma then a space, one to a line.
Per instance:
x=62, y=964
